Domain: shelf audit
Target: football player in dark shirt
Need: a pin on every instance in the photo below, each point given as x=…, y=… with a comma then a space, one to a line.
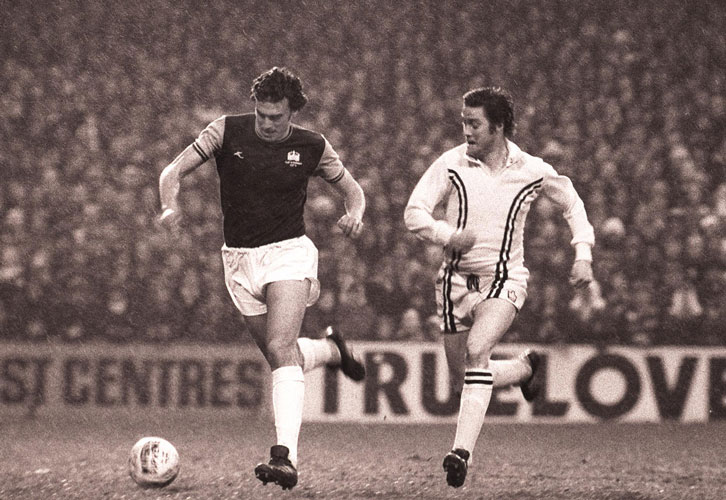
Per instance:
x=264, y=162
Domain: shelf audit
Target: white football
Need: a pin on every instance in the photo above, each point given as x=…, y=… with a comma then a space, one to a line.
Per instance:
x=153, y=463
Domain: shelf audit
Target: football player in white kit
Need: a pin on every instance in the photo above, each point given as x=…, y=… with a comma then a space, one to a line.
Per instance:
x=487, y=186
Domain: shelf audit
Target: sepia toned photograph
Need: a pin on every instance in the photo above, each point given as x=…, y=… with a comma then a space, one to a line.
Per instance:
x=363, y=249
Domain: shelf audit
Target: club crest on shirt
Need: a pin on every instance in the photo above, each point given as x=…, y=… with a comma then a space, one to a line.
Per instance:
x=240, y=155
x=511, y=295
x=293, y=159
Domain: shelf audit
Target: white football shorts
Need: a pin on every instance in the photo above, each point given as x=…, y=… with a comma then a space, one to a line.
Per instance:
x=247, y=271
x=457, y=295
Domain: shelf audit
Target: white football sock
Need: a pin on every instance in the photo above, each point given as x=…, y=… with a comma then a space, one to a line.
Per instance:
x=317, y=352
x=475, y=397
x=288, y=396
x=509, y=371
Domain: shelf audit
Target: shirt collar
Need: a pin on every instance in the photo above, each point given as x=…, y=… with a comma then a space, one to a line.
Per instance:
x=513, y=155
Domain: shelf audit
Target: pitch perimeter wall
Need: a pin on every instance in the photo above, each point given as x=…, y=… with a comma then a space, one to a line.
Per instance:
x=406, y=383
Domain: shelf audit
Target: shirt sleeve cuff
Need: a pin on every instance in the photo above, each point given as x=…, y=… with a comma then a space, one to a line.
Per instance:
x=583, y=251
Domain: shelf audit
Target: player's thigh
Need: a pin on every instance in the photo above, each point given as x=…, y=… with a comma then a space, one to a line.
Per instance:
x=492, y=319
x=257, y=326
x=286, y=303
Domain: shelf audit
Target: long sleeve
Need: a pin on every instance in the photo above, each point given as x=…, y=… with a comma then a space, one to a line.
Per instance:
x=428, y=193
x=560, y=190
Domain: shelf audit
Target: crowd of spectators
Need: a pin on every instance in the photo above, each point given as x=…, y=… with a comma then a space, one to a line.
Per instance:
x=626, y=98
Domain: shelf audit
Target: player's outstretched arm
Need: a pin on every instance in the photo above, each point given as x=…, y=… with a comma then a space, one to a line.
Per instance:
x=355, y=205
x=170, y=184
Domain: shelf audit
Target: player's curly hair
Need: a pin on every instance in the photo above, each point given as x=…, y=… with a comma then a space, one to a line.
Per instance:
x=276, y=84
x=498, y=106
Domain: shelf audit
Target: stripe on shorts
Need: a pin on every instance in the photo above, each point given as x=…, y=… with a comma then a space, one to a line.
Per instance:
x=448, y=312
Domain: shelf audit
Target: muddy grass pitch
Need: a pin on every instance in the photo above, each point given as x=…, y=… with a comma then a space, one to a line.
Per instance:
x=86, y=459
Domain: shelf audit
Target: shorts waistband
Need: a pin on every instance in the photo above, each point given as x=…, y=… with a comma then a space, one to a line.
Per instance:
x=274, y=244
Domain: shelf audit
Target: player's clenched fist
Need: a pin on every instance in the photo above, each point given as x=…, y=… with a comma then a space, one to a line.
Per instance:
x=461, y=241
x=581, y=274
x=170, y=219
x=350, y=226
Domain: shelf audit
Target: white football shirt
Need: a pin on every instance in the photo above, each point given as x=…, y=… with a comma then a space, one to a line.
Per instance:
x=494, y=206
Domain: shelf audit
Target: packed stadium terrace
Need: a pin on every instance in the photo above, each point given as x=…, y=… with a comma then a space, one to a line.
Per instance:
x=626, y=98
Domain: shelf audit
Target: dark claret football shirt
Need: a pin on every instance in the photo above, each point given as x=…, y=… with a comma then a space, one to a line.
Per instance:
x=263, y=185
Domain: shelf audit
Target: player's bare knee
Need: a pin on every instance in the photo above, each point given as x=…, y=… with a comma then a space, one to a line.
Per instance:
x=281, y=352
